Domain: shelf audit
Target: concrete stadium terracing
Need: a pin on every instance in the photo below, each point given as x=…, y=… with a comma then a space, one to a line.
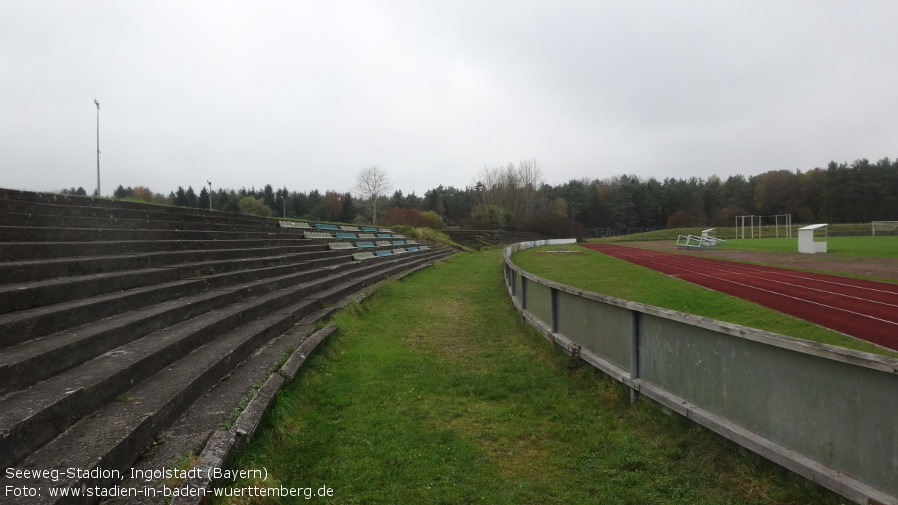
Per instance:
x=131, y=333
x=478, y=239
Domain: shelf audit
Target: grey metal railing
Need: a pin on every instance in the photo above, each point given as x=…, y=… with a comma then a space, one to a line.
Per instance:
x=827, y=413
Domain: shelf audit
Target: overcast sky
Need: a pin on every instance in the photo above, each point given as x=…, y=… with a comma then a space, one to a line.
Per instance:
x=304, y=94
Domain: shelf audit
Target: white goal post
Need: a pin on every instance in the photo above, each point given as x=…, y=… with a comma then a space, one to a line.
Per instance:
x=774, y=221
x=884, y=226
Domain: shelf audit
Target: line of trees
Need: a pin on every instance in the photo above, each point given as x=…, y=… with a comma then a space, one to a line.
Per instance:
x=314, y=205
x=516, y=197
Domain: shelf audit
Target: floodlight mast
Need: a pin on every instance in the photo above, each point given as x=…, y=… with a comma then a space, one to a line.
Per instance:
x=210, y=193
x=98, y=146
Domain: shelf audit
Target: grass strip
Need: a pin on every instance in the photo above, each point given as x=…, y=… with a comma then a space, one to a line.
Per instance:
x=855, y=247
x=434, y=391
x=593, y=271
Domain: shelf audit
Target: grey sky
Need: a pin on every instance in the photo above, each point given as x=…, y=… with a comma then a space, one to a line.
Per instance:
x=304, y=94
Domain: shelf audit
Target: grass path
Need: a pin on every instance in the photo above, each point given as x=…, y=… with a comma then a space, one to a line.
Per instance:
x=433, y=391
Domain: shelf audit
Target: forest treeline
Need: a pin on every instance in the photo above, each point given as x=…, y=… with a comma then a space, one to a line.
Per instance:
x=516, y=197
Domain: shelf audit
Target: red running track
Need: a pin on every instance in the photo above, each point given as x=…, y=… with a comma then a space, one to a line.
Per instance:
x=864, y=309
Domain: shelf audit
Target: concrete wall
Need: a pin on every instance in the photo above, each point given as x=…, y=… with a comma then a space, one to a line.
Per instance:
x=824, y=412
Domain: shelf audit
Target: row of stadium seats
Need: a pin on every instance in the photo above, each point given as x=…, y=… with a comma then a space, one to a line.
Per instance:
x=378, y=254
x=332, y=227
x=384, y=243
x=350, y=236
x=372, y=245
x=365, y=237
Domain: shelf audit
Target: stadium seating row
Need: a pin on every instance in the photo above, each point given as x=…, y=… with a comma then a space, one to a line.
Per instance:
x=334, y=228
x=350, y=236
x=386, y=252
x=369, y=245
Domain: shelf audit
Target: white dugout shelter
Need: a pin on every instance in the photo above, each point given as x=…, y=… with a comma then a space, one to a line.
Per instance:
x=809, y=239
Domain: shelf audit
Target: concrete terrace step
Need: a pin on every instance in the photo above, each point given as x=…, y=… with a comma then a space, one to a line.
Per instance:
x=149, y=221
x=30, y=361
x=489, y=238
x=58, y=234
x=21, y=325
x=221, y=408
x=50, y=203
x=29, y=418
x=21, y=271
x=13, y=251
x=35, y=293
x=121, y=323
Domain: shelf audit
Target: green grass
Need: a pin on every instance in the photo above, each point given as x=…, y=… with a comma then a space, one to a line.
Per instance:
x=600, y=273
x=434, y=391
x=870, y=247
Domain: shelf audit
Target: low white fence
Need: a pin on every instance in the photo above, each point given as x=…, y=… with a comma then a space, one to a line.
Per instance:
x=826, y=413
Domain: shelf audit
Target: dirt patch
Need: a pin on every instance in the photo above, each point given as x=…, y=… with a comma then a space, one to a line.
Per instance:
x=885, y=269
x=559, y=251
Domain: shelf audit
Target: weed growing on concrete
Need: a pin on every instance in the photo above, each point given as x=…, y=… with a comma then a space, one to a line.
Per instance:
x=243, y=403
x=285, y=355
x=185, y=462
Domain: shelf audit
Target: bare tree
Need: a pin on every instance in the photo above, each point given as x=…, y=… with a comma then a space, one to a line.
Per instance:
x=530, y=181
x=371, y=187
x=515, y=190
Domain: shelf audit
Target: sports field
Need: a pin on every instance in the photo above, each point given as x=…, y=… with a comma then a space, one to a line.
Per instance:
x=864, y=309
x=874, y=258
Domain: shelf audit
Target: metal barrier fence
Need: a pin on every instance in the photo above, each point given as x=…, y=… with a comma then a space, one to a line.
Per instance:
x=826, y=413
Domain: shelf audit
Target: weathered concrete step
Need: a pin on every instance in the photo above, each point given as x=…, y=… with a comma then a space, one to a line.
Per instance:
x=33, y=416
x=31, y=362
x=119, y=431
x=20, y=326
x=218, y=408
x=25, y=201
x=56, y=234
x=135, y=213
x=12, y=251
x=146, y=221
x=27, y=363
x=26, y=295
x=36, y=270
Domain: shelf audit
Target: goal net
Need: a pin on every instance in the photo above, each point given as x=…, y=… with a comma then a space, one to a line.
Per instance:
x=777, y=225
x=885, y=227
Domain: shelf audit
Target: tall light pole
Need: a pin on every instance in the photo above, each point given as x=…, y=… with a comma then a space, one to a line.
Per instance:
x=210, y=193
x=98, y=146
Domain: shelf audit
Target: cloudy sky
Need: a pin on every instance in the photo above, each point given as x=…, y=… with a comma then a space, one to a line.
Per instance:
x=304, y=94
